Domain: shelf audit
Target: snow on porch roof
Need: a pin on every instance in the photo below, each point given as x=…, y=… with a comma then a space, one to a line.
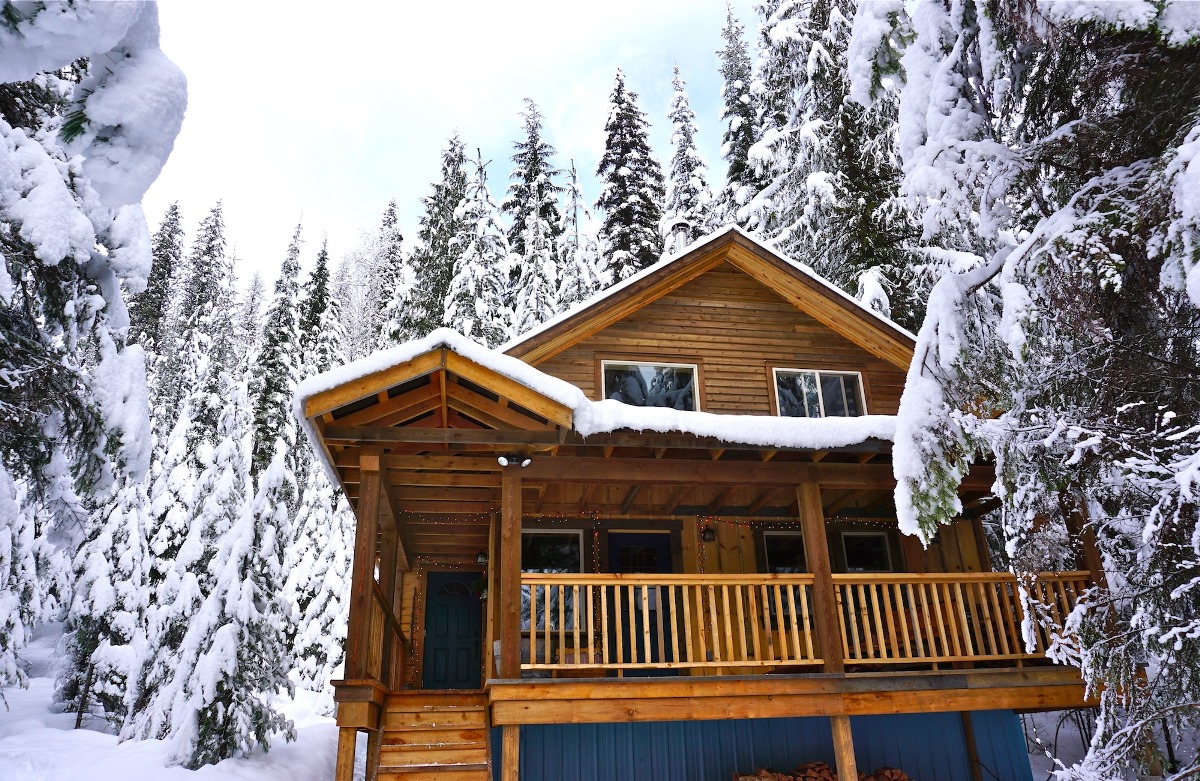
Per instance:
x=600, y=417
x=578, y=310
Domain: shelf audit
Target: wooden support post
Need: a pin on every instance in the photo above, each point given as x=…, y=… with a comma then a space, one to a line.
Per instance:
x=387, y=584
x=493, y=591
x=913, y=552
x=510, y=757
x=344, y=768
x=826, y=616
x=363, y=572
x=972, y=749
x=843, y=748
x=510, y=573
x=374, y=744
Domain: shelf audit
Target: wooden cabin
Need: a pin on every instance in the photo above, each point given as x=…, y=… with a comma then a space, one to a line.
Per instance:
x=656, y=539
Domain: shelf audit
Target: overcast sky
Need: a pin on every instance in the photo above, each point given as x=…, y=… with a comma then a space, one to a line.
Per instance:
x=322, y=112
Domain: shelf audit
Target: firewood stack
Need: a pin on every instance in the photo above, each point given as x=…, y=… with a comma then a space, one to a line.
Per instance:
x=819, y=771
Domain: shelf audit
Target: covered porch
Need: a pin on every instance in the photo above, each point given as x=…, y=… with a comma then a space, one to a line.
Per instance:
x=454, y=461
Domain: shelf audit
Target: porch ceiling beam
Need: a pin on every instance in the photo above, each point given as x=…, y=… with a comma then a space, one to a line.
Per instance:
x=629, y=497
x=383, y=434
x=761, y=473
x=692, y=442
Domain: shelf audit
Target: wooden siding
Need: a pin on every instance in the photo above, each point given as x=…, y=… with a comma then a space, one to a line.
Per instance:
x=736, y=329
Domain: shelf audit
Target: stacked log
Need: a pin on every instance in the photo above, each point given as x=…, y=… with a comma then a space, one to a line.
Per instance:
x=820, y=771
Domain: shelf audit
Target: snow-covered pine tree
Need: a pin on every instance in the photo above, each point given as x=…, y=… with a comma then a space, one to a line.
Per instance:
x=685, y=214
x=1045, y=153
x=391, y=280
x=315, y=301
x=235, y=655
x=533, y=179
x=248, y=324
x=475, y=301
x=206, y=263
x=148, y=309
x=275, y=370
x=631, y=192
x=581, y=272
x=83, y=149
x=739, y=118
x=18, y=576
x=827, y=166
x=535, y=298
x=422, y=309
x=317, y=567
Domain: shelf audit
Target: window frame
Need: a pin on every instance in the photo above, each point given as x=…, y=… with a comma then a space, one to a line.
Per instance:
x=887, y=550
x=784, y=533
x=857, y=374
x=604, y=363
x=562, y=533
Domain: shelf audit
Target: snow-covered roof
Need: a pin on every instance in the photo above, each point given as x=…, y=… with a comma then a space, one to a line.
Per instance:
x=601, y=417
x=674, y=257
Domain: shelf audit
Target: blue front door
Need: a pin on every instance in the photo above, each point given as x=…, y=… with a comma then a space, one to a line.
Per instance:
x=453, y=631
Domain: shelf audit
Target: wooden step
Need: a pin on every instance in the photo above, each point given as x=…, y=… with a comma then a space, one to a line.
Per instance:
x=472, y=773
x=437, y=701
x=448, y=737
x=432, y=756
x=397, y=721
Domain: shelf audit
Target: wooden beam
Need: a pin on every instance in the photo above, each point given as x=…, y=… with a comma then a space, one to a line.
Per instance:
x=630, y=495
x=510, y=573
x=510, y=753
x=363, y=570
x=843, y=747
x=719, y=500
x=393, y=411
x=384, y=434
x=355, y=390
x=676, y=499
x=826, y=616
x=514, y=391
x=763, y=499
x=344, y=767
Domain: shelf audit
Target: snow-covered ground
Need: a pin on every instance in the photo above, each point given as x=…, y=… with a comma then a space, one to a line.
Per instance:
x=39, y=744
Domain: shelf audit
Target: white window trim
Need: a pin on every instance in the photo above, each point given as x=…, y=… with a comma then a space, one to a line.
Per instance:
x=560, y=532
x=778, y=533
x=695, y=367
x=887, y=550
x=862, y=400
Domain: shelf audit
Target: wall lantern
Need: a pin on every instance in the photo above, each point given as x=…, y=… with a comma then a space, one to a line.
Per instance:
x=481, y=558
x=708, y=534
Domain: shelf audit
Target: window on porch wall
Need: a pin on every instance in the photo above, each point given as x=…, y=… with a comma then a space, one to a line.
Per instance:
x=549, y=552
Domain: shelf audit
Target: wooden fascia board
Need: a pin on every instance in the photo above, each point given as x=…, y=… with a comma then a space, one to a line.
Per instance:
x=829, y=309
x=356, y=390
x=612, y=309
x=508, y=388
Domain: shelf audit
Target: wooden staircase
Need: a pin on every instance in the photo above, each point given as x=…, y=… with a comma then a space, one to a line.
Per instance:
x=435, y=736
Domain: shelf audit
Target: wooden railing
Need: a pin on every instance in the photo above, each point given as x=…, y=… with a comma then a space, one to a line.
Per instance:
x=727, y=622
x=387, y=643
x=630, y=622
x=934, y=618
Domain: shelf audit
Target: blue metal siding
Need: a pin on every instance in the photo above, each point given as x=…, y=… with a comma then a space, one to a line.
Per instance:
x=929, y=747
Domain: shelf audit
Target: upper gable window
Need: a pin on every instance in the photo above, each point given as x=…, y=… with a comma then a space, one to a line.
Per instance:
x=670, y=385
x=801, y=393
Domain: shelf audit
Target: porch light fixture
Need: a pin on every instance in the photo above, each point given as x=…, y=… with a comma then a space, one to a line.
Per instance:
x=708, y=534
x=524, y=461
x=481, y=557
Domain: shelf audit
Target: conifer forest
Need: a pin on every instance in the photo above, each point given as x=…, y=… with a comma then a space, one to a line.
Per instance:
x=1016, y=182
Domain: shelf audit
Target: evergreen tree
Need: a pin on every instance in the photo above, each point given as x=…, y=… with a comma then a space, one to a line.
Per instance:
x=536, y=296
x=317, y=583
x=632, y=188
x=276, y=369
x=17, y=578
x=317, y=296
x=391, y=279
x=422, y=309
x=827, y=165
x=247, y=324
x=238, y=634
x=533, y=181
x=740, y=123
x=148, y=309
x=207, y=266
x=475, y=302
x=581, y=272
x=685, y=215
